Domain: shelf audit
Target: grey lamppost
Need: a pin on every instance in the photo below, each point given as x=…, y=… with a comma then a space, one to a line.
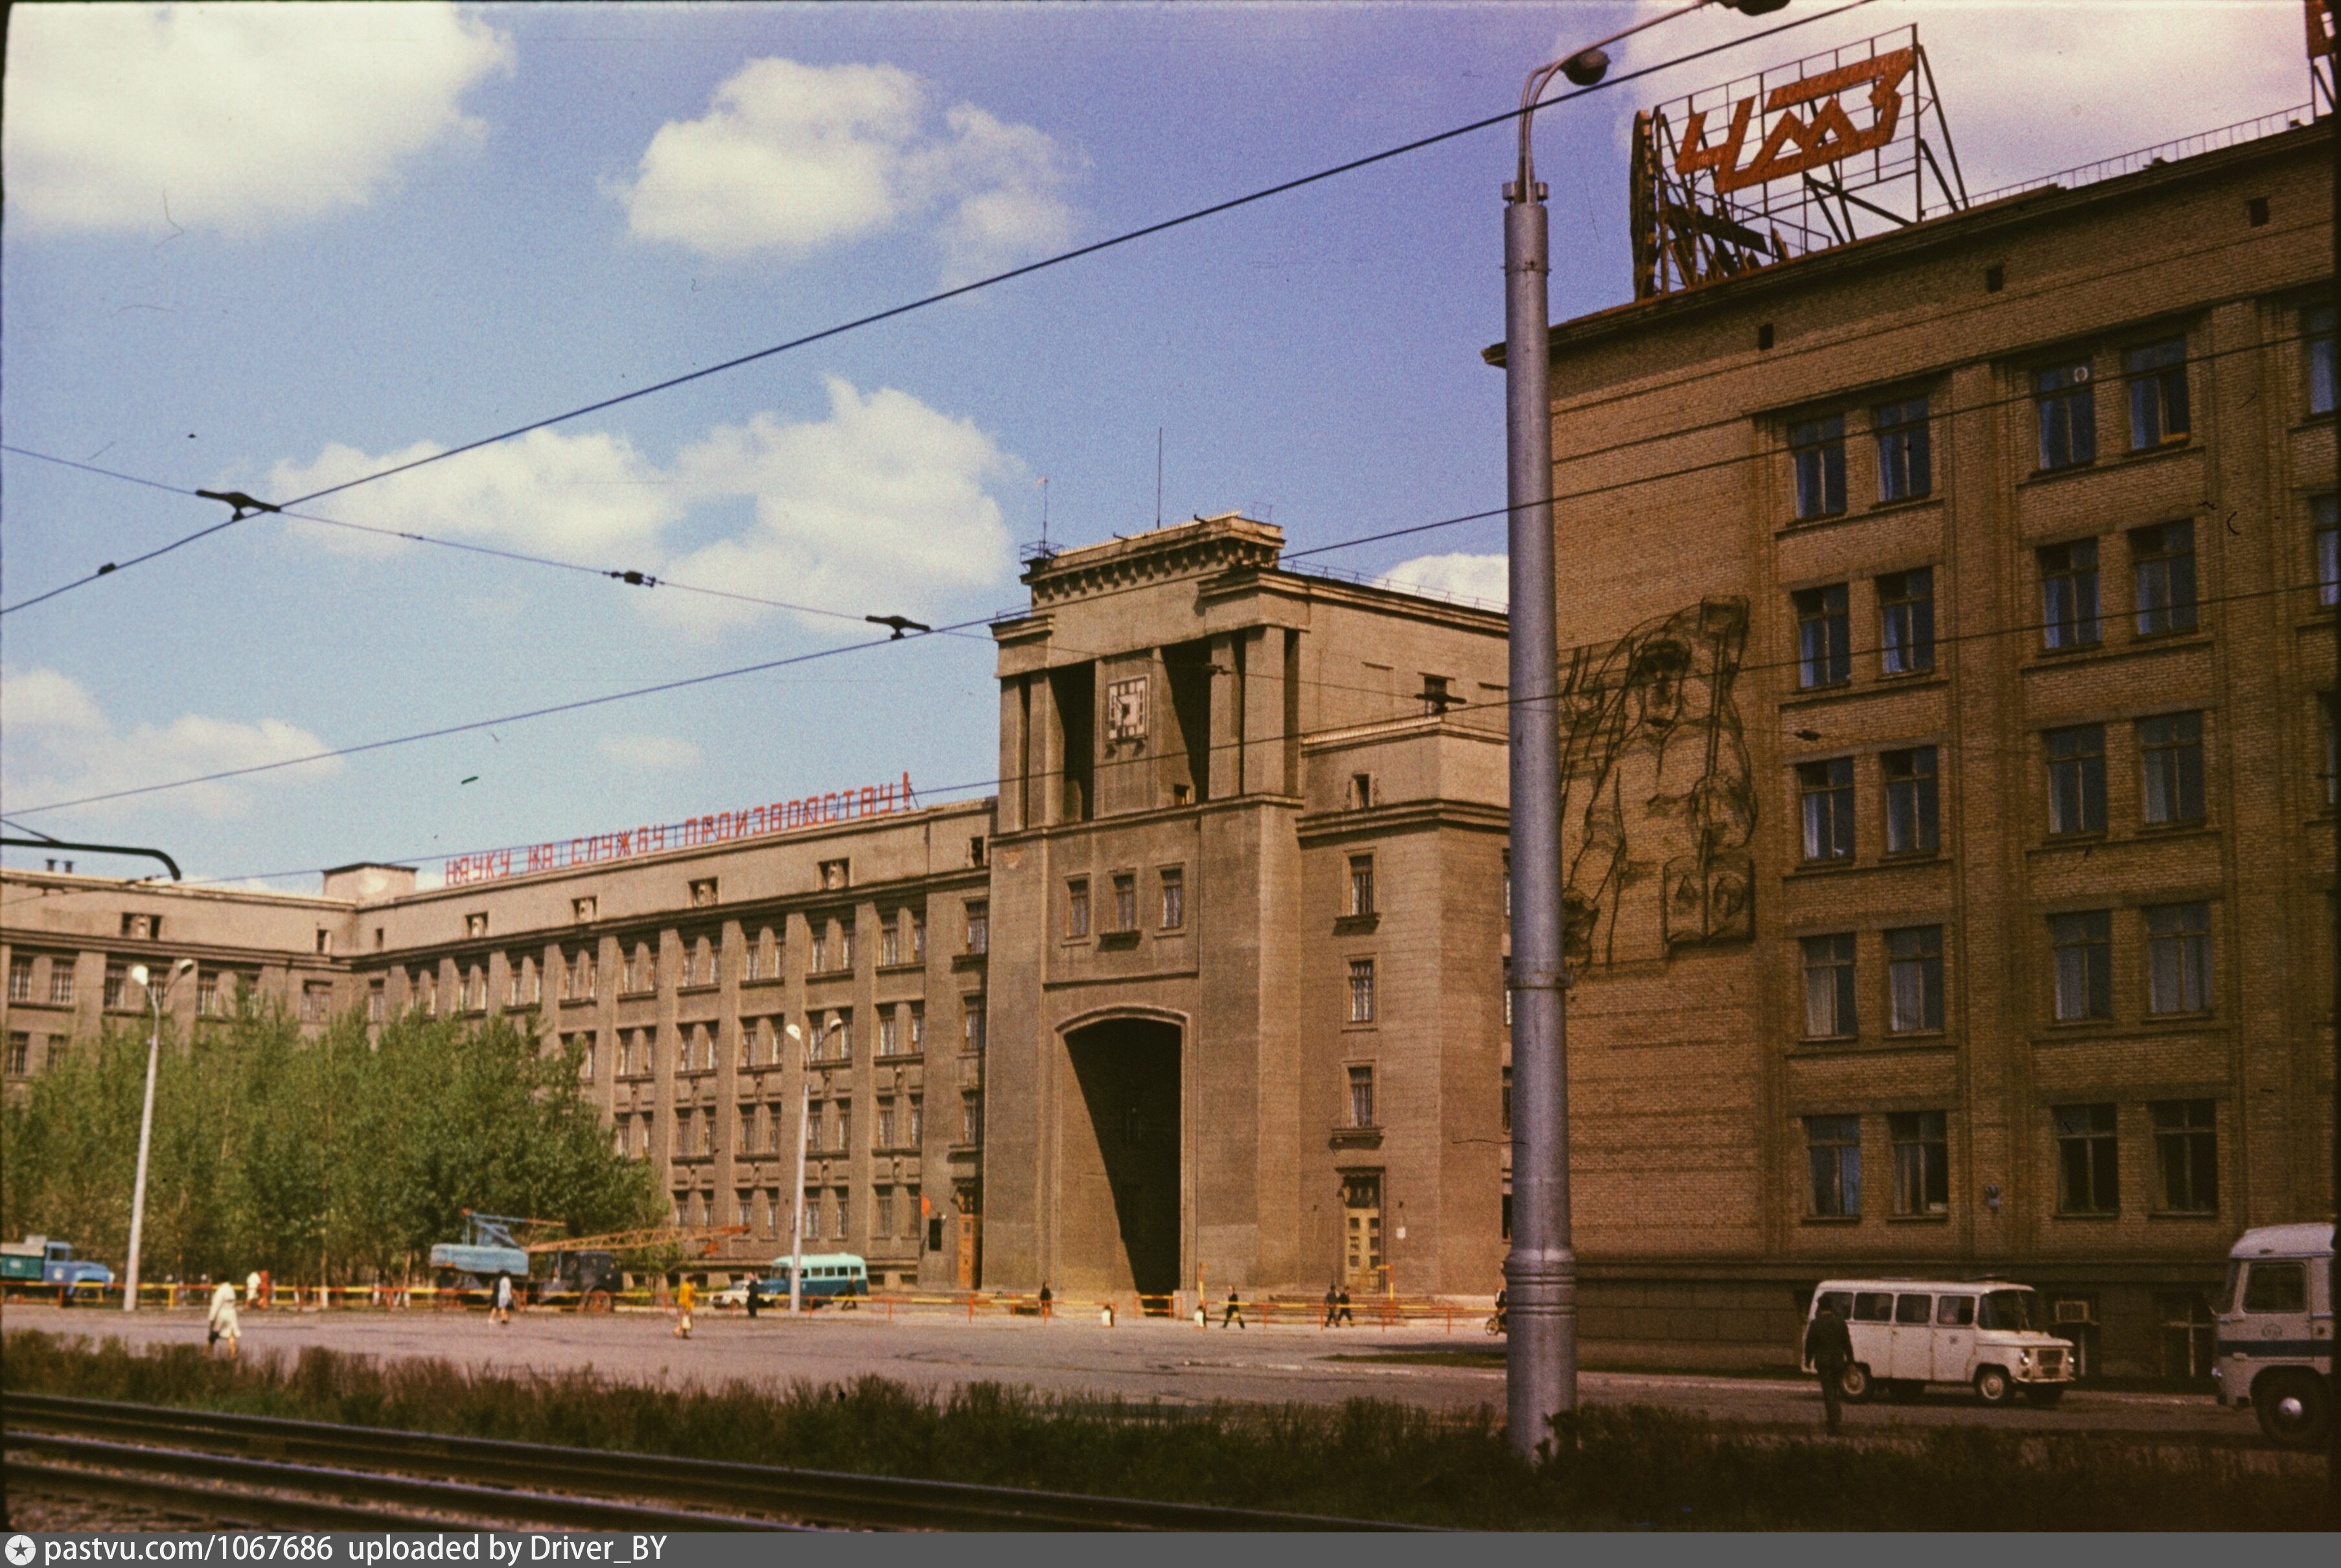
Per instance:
x=804, y=1126
x=1540, y=1271
x=155, y=996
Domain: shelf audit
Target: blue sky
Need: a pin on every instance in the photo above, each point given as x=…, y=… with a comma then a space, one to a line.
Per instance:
x=266, y=248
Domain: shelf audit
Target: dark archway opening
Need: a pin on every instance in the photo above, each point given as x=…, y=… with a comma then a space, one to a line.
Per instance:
x=1128, y=1069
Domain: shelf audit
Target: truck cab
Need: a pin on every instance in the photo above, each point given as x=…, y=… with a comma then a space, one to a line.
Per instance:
x=50, y=1263
x=2276, y=1331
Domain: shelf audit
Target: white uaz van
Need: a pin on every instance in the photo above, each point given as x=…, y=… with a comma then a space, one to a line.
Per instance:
x=2276, y=1331
x=1985, y=1334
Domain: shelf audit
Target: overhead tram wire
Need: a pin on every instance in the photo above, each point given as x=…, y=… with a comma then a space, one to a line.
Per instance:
x=1044, y=263
x=1044, y=775
x=1728, y=422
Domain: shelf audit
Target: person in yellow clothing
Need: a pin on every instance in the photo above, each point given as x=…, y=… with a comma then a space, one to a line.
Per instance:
x=687, y=1296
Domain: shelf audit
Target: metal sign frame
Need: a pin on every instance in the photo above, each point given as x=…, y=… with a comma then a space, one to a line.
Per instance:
x=1825, y=150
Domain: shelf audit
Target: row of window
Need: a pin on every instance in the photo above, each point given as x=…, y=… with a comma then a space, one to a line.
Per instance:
x=2064, y=420
x=1170, y=909
x=216, y=990
x=2080, y=949
x=827, y=1039
x=899, y=1126
x=895, y=1214
x=2185, y=1178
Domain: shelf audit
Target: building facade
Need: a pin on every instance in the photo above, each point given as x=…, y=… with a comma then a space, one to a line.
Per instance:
x=1949, y=846
x=1949, y=832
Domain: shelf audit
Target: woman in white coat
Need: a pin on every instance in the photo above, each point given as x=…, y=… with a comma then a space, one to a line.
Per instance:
x=223, y=1324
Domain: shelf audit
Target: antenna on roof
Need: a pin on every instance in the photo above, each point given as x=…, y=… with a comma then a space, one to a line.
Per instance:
x=1158, y=476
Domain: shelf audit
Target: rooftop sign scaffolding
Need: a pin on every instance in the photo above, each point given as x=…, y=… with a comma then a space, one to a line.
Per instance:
x=1830, y=148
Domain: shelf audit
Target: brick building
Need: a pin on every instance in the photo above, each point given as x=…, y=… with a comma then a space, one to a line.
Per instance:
x=1949, y=812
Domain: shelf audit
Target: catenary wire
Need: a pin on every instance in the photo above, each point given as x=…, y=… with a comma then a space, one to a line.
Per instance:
x=1075, y=254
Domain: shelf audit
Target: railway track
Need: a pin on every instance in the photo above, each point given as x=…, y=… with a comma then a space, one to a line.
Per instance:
x=273, y=1472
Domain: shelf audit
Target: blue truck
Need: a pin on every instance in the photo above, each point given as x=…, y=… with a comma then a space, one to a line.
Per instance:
x=38, y=1260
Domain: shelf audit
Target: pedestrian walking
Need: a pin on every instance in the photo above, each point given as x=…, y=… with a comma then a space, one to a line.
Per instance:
x=1331, y=1305
x=687, y=1296
x=1047, y=1300
x=1503, y=1310
x=1105, y=1314
x=755, y=1297
x=1341, y=1308
x=1234, y=1314
x=1828, y=1345
x=222, y=1323
x=500, y=1304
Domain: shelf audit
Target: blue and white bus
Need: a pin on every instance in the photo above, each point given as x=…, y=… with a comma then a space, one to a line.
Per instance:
x=827, y=1277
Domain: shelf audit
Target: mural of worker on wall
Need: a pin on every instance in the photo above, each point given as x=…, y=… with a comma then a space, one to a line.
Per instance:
x=1656, y=804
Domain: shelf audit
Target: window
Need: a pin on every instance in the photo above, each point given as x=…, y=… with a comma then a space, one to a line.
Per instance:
x=2082, y=948
x=1361, y=884
x=2178, y=958
x=1174, y=899
x=1361, y=1096
x=844, y=1125
x=1905, y=466
x=588, y=1056
x=1362, y=991
x=1833, y=1153
x=642, y=968
x=1829, y=987
x=889, y=940
x=2088, y=1178
x=2077, y=778
x=1817, y=448
x=1508, y=1099
x=1906, y=609
x=845, y=942
x=702, y=893
x=2067, y=408
x=818, y=928
x=20, y=1054
x=882, y=1213
x=2170, y=753
x=1824, y=634
x=2316, y=327
x=918, y=936
x=1912, y=802
x=1437, y=698
x=2069, y=595
x=2325, y=517
x=2157, y=393
x=61, y=981
x=316, y=1001
x=971, y=1118
x=2276, y=1287
x=1922, y=1163
x=1826, y=792
x=20, y=980
x=376, y=1002
x=2163, y=559
x=1361, y=790
x=1076, y=907
x=1125, y=901
x=1914, y=973
x=577, y=975
x=2186, y=1157
x=979, y=926
x=886, y=1124
x=840, y=1033
x=918, y=1028
x=918, y=1121
x=889, y=1033
x=971, y=1023
x=117, y=985
x=2332, y=774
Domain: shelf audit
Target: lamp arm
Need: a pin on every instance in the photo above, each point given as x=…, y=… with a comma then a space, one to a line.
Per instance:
x=1532, y=93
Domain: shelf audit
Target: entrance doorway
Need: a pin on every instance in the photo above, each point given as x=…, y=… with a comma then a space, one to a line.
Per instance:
x=1128, y=1069
x=1361, y=1230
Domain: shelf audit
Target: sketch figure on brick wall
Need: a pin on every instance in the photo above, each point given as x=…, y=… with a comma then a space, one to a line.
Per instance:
x=1656, y=804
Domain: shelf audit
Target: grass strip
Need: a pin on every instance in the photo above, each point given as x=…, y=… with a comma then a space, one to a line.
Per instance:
x=1618, y=1467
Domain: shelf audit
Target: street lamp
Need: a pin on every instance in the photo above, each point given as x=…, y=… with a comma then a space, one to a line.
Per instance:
x=1540, y=1271
x=804, y=1126
x=155, y=996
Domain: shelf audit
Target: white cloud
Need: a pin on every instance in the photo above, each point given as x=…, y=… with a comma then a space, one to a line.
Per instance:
x=790, y=158
x=657, y=753
x=1484, y=578
x=236, y=117
x=59, y=745
x=589, y=497
x=2029, y=86
x=880, y=507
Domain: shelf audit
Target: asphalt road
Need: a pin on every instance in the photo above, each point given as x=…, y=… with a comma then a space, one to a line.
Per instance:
x=1151, y=1360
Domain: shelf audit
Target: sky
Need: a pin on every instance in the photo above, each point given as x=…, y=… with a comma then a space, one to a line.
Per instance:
x=271, y=249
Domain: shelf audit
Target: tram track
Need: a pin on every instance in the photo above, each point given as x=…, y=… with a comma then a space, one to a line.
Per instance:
x=270, y=1471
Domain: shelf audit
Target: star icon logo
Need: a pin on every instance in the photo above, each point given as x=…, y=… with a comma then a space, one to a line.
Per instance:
x=20, y=1550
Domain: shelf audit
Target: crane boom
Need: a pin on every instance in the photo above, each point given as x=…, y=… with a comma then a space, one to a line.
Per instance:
x=703, y=1238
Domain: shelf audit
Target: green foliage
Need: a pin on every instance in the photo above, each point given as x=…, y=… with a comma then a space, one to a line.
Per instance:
x=1631, y=1467
x=338, y=1159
